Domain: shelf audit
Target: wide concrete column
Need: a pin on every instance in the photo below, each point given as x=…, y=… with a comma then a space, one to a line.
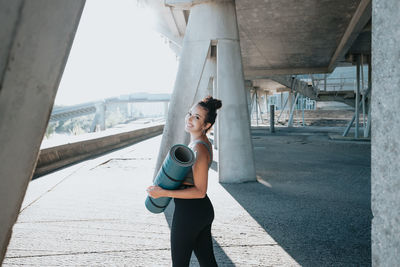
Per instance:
x=36, y=37
x=236, y=157
x=385, y=145
x=194, y=54
x=212, y=22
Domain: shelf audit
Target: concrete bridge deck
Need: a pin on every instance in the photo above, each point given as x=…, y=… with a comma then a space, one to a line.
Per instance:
x=311, y=207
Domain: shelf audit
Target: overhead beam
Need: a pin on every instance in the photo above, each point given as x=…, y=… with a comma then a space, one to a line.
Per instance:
x=356, y=25
x=175, y=39
x=168, y=21
x=182, y=4
x=283, y=89
x=179, y=20
x=262, y=73
x=296, y=85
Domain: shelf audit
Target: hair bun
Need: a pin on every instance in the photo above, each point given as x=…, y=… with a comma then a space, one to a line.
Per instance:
x=213, y=102
x=211, y=105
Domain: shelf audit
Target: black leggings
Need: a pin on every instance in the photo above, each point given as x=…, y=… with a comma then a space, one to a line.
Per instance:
x=191, y=231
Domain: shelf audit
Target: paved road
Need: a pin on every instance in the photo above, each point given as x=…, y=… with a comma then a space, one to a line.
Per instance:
x=310, y=207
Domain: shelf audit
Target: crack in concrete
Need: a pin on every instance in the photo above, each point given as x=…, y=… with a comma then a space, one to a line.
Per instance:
x=247, y=245
x=51, y=189
x=82, y=220
x=130, y=250
x=86, y=252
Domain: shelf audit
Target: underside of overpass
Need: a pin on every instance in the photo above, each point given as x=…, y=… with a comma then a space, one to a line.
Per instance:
x=280, y=39
x=285, y=37
x=225, y=47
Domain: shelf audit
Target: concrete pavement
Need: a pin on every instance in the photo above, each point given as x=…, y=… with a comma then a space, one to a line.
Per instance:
x=310, y=207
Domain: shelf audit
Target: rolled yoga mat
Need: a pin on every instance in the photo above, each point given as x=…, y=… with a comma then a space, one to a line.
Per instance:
x=176, y=165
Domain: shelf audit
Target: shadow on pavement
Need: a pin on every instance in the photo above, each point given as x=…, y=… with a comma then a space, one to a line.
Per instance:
x=313, y=199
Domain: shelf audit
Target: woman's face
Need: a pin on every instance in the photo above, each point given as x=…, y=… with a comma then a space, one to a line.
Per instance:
x=194, y=120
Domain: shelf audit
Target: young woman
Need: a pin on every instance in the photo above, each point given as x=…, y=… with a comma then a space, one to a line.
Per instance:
x=194, y=213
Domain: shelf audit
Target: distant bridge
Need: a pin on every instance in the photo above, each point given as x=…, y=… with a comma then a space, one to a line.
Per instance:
x=99, y=107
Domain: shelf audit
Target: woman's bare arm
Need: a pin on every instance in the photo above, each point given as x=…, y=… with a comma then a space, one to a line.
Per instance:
x=200, y=178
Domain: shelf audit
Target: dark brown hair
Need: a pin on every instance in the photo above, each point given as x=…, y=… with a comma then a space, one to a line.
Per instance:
x=211, y=105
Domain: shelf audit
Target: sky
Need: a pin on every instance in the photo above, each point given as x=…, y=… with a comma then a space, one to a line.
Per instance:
x=115, y=52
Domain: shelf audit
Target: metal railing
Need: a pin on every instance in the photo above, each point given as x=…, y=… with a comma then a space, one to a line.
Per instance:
x=99, y=108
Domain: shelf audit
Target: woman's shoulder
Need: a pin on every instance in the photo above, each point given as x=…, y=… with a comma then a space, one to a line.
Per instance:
x=203, y=147
x=207, y=143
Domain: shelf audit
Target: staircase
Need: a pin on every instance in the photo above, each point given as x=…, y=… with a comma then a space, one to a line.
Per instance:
x=313, y=92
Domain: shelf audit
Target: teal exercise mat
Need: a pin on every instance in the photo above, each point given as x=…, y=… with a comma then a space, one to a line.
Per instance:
x=173, y=171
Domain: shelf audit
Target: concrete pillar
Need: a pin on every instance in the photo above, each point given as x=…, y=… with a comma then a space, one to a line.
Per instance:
x=292, y=109
x=213, y=21
x=260, y=94
x=259, y=101
x=357, y=98
x=195, y=50
x=248, y=88
x=272, y=118
x=36, y=38
x=266, y=108
x=252, y=103
x=385, y=141
x=236, y=157
x=290, y=99
x=367, y=129
x=256, y=90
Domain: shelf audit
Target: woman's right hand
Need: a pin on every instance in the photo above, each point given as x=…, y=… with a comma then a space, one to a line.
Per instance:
x=155, y=191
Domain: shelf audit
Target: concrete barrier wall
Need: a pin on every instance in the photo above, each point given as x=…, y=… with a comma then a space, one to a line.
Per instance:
x=56, y=157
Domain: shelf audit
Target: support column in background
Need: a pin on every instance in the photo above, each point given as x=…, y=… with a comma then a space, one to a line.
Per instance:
x=357, y=99
x=248, y=88
x=385, y=141
x=266, y=101
x=272, y=118
x=236, y=157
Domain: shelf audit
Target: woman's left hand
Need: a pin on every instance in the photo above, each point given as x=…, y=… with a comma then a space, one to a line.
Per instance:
x=155, y=191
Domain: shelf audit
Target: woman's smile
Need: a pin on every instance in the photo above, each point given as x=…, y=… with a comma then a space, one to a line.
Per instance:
x=194, y=119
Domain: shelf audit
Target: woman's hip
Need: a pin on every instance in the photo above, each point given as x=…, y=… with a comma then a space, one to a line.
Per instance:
x=194, y=209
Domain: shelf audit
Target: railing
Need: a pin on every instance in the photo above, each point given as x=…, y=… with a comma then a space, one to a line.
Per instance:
x=99, y=108
x=64, y=113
